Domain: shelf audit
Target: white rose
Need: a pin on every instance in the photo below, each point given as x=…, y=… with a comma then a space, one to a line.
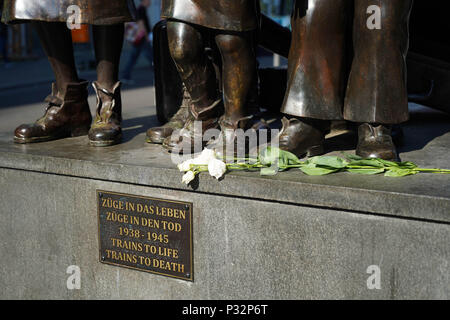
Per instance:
x=205, y=157
x=186, y=165
x=188, y=177
x=217, y=168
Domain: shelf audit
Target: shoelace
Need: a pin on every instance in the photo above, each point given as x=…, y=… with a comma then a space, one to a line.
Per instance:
x=52, y=101
x=109, y=94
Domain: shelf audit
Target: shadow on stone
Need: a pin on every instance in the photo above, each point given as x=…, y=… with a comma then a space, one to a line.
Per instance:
x=424, y=127
x=135, y=126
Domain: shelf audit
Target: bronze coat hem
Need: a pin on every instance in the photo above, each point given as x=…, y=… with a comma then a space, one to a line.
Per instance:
x=226, y=15
x=96, y=12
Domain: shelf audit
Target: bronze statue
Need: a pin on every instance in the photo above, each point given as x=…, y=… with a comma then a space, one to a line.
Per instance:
x=228, y=24
x=67, y=112
x=330, y=81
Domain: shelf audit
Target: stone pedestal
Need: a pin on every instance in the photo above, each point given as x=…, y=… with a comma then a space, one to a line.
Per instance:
x=285, y=237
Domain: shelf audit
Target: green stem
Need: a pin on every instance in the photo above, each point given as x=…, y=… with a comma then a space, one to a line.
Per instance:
x=294, y=165
x=236, y=168
x=239, y=159
x=444, y=171
x=364, y=167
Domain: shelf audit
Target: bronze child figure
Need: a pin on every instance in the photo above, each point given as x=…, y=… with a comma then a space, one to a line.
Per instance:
x=338, y=73
x=67, y=112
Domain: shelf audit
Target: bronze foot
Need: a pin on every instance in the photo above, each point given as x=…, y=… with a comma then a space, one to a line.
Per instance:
x=66, y=117
x=303, y=137
x=375, y=141
x=229, y=142
x=106, y=129
x=185, y=139
x=158, y=134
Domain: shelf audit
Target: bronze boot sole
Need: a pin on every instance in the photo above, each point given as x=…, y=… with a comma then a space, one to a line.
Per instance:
x=156, y=136
x=76, y=132
x=106, y=143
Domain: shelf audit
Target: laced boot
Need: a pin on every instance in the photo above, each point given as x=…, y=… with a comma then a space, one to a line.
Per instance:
x=106, y=129
x=66, y=117
x=188, y=138
x=158, y=134
x=375, y=141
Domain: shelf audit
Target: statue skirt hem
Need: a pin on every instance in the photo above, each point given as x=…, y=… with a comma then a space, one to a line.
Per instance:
x=226, y=15
x=326, y=81
x=91, y=12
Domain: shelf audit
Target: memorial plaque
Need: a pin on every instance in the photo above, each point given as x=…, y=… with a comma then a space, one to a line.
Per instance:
x=146, y=234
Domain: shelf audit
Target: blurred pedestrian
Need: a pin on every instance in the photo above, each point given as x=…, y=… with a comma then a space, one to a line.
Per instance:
x=138, y=34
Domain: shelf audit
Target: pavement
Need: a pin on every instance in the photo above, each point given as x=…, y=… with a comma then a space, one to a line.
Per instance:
x=37, y=71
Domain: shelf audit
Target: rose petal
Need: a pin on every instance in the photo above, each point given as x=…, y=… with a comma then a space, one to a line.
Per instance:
x=188, y=177
x=217, y=168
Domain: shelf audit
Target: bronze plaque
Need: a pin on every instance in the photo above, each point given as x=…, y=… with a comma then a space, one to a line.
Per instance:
x=146, y=234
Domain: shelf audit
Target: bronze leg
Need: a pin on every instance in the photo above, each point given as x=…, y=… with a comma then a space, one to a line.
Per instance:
x=376, y=90
x=316, y=74
x=108, y=41
x=239, y=76
x=317, y=59
x=107, y=130
x=376, y=94
x=239, y=73
x=67, y=112
x=188, y=51
x=56, y=40
x=187, y=48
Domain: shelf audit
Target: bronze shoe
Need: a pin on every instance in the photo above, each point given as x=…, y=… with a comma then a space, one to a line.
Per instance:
x=189, y=137
x=230, y=143
x=106, y=129
x=66, y=117
x=303, y=137
x=375, y=141
x=158, y=134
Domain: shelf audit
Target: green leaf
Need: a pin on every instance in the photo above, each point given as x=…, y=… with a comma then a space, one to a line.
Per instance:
x=289, y=158
x=397, y=172
x=317, y=171
x=375, y=163
x=389, y=163
x=353, y=157
x=268, y=171
x=366, y=171
x=271, y=156
x=329, y=162
x=407, y=165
